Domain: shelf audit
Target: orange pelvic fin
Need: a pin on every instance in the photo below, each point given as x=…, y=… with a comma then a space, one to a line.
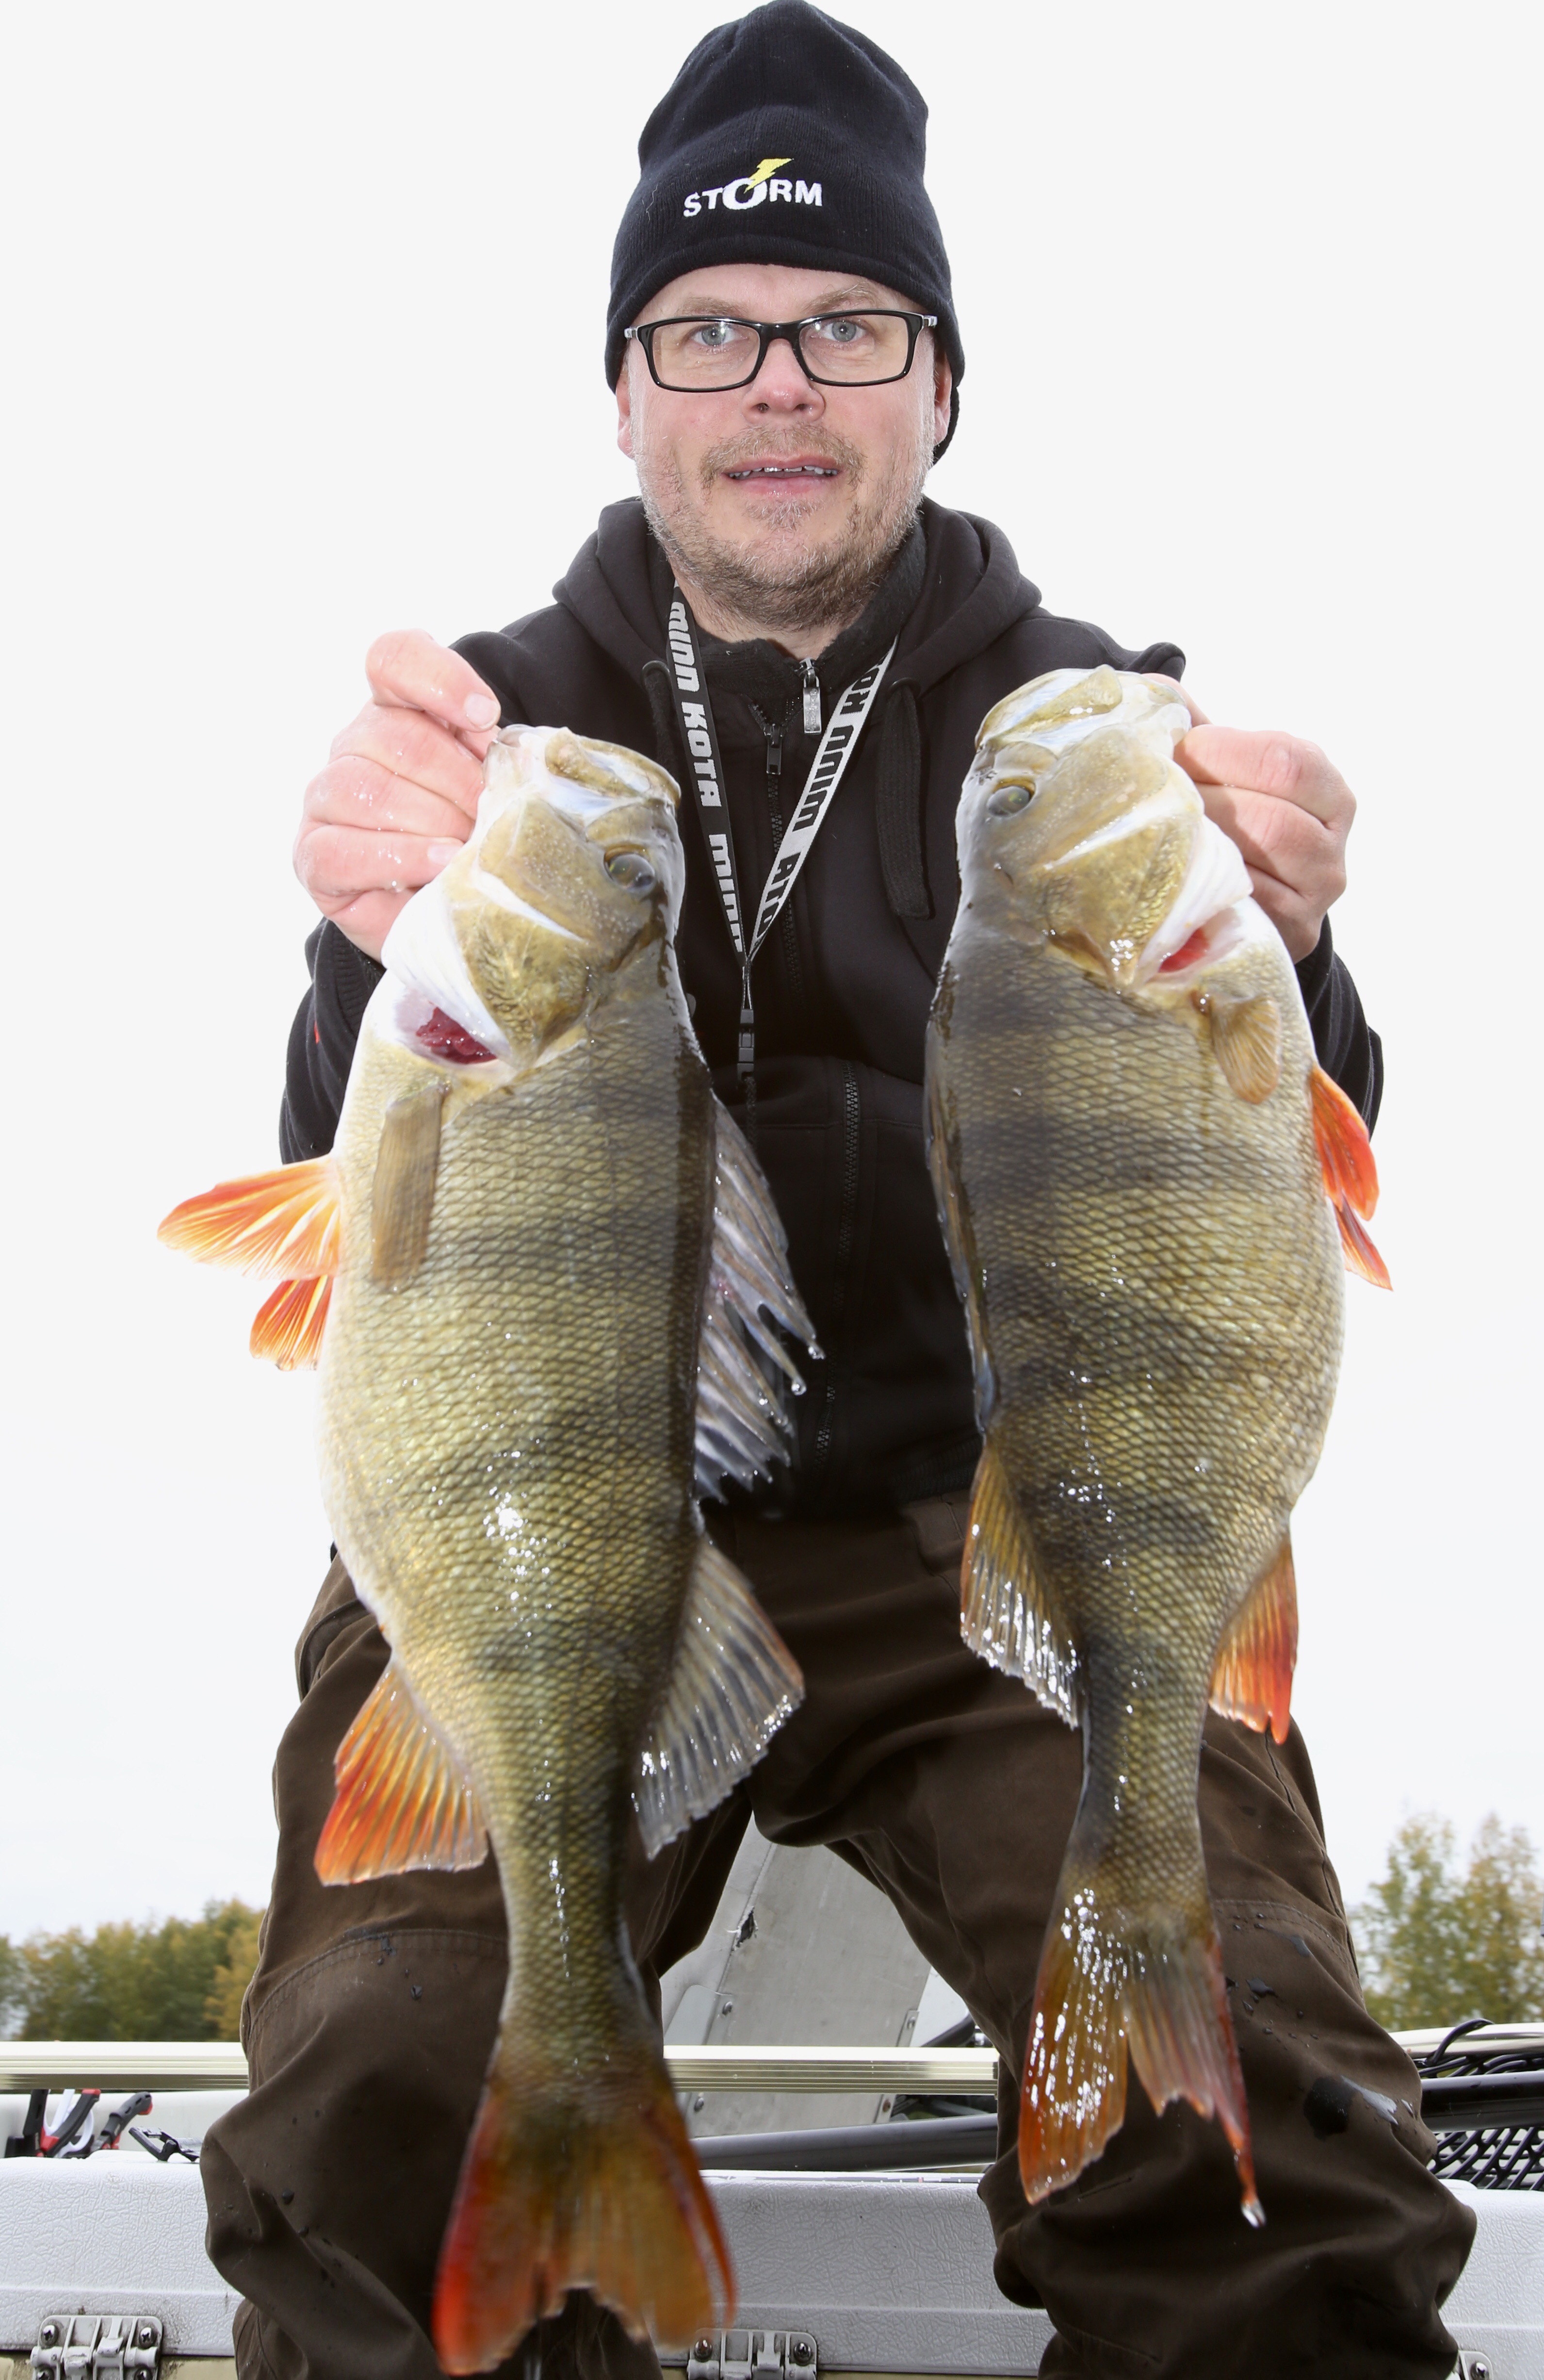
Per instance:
x=1253, y=1678
x=1156, y=1992
x=592, y=2187
x=1350, y=1174
x=288, y=1330
x=404, y=1799
x=285, y=1221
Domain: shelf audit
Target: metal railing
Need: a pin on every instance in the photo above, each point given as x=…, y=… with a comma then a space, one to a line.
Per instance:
x=222, y=2066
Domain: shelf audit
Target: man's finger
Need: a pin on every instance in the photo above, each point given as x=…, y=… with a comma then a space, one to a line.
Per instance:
x=337, y=863
x=408, y=668
x=420, y=779
x=1265, y=762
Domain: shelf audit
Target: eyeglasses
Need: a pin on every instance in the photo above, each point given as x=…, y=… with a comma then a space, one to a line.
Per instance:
x=713, y=351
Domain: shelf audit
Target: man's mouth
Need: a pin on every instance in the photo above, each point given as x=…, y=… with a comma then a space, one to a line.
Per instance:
x=784, y=471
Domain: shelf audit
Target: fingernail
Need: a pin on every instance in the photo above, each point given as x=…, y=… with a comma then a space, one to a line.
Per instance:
x=439, y=855
x=482, y=710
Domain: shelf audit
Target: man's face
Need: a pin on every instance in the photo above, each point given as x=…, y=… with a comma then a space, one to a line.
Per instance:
x=783, y=501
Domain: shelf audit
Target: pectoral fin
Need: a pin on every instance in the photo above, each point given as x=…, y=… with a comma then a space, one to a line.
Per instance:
x=1251, y=1678
x=1008, y=1612
x=733, y=1684
x=744, y=1367
x=285, y=1221
x=403, y=1800
x=402, y=1202
x=1350, y=1174
x=1247, y=1044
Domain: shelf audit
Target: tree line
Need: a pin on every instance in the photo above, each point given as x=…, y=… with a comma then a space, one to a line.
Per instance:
x=179, y=1980
x=1439, y=1938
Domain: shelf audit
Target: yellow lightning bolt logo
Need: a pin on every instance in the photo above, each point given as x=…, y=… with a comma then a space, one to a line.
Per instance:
x=768, y=166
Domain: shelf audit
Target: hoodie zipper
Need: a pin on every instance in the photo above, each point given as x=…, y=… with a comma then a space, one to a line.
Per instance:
x=847, y=1233
x=773, y=731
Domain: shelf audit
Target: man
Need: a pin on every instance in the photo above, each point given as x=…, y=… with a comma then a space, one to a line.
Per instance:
x=781, y=471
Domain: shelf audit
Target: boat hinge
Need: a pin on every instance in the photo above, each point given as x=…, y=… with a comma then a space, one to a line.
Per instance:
x=752, y=2355
x=98, y=2346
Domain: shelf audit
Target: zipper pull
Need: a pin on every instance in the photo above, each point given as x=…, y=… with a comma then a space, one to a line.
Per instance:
x=811, y=700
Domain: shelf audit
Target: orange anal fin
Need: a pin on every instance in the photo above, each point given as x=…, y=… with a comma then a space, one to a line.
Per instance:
x=592, y=2187
x=404, y=1799
x=1251, y=1678
x=1349, y=1173
x=288, y=1330
x=285, y=1221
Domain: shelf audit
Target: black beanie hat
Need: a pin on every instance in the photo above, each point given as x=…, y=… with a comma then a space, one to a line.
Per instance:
x=785, y=139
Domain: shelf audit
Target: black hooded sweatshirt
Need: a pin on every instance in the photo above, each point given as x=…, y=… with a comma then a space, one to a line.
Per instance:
x=843, y=984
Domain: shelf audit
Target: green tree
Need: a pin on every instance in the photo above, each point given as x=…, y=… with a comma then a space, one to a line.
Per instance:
x=1438, y=1942
x=179, y=1981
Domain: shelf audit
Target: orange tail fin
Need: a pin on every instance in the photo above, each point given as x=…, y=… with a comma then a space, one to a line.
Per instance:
x=1158, y=1993
x=591, y=2186
x=1350, y=1176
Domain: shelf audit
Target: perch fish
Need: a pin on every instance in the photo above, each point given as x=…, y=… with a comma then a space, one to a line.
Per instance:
x=551, y=1306
x=1150, y=1192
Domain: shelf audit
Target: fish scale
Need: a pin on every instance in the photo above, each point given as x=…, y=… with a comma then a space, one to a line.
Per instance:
x=1127, y=1136
x=598, y=1234
x=550, y=1302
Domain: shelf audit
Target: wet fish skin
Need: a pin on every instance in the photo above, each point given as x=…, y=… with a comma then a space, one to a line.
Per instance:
x=543, y=1262
x=1130, y=1181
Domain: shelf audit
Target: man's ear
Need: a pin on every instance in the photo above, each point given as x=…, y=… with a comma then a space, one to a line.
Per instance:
x=943, y=392
x=625, y=412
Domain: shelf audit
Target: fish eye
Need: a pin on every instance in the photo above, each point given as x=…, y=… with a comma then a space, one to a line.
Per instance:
x=630, y=869
x=1009, y=799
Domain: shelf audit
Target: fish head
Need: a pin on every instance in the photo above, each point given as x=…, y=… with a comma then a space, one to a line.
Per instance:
x=574, y=867
x=1078, y=827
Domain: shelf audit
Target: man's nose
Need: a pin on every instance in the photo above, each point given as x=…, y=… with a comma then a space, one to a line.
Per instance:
x=782, y=385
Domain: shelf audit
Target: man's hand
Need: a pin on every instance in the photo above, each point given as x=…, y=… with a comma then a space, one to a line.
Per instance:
x=1287, y=808
x=399, y=795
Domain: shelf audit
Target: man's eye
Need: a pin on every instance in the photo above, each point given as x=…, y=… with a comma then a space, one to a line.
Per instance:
x=841, y=331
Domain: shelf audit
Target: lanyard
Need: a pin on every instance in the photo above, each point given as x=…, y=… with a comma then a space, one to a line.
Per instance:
x=700, y=737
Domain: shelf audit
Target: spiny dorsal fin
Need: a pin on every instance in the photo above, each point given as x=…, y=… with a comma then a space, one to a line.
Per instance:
x=1350, y=1174
x=402, y=1201
x=1007, y=1613
x=404, y=1799
x=743, y=1365
x=733, y=1684
x=288, y=1330
x=1247, y=1043
x=285, y=1222
x=1251, y=1678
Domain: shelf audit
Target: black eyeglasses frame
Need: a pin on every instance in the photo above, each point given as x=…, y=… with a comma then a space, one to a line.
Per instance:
x=766, y=331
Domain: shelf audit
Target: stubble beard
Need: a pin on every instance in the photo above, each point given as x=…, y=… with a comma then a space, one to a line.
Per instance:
x=776, y=580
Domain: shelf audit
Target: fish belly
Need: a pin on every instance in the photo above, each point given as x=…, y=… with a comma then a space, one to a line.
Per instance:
x=1155, y=1293
x=507, y=1462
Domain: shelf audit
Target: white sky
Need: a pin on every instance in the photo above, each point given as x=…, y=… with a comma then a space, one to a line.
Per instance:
x=305, y=308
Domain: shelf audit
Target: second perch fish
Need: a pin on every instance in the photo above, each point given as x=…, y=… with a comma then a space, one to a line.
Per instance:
x=1147, y=1185
x=545, y=1284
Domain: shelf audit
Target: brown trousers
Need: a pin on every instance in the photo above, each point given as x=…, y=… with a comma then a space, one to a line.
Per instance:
x=370, y=2018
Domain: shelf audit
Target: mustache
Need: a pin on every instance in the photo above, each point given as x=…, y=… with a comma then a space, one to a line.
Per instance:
x=771, y=446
